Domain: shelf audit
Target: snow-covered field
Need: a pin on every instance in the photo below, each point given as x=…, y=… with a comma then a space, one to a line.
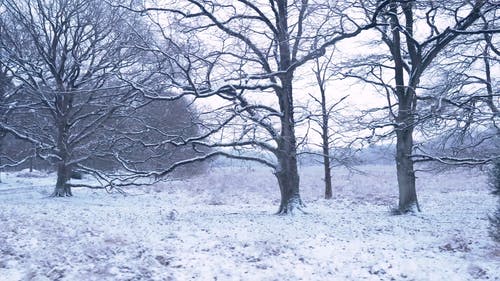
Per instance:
x=220, y=226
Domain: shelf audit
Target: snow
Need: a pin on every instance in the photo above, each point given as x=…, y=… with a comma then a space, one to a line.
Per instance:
x=220, y=226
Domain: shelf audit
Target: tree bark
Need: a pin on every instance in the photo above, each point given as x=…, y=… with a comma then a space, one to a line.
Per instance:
x=405, y=117
x=489, y=88
x=325, y=145
x=62, y=189
x=288, y=180
x=328, y=176
x=405, y=170
x=404, y=149
x=287, y=171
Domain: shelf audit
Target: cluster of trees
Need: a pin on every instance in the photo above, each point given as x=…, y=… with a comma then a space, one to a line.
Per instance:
x=84, y=80
x=67, y=94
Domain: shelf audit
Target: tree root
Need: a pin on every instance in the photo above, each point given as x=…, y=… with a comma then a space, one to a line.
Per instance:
x=61, y=193
x=291, y=207
x=410, y=208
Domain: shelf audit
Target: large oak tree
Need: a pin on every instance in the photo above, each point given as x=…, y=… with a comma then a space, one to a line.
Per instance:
x=244, y=55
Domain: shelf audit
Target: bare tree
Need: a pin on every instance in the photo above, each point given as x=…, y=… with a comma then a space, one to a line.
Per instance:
x=463, y=106
x=408, y=55
x=134, y=138
x=324, y=117
x=5, y=84
x=244, y=55
x=65, y=58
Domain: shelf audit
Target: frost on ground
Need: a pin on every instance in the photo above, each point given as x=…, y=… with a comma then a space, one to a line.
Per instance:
x=220, y=226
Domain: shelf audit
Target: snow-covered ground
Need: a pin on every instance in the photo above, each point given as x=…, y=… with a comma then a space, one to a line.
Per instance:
x=220, y=226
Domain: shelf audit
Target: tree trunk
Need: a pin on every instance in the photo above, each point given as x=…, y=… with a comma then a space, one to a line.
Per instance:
x=405, y=171
x=326, y=159
x=31, y=164
x=62, y=189
x=288, y=180
x=287, y=173
x=489, y=88
x=325, y=144
x=328, y=177
x=405, y=118
x=1, y=146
